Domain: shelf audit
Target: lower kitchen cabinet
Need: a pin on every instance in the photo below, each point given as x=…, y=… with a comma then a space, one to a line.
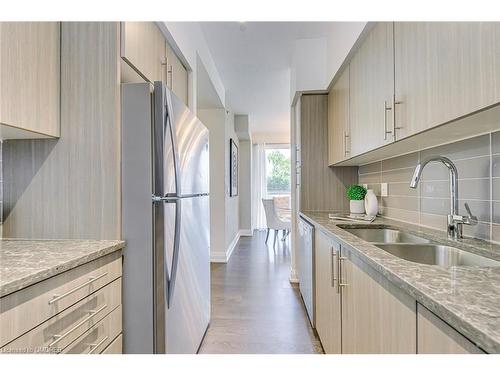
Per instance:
x=437, y=337
x=328, y=318
x=377, y=317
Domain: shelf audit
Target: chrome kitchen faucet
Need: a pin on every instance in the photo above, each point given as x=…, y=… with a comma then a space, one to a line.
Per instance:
x=455, y=221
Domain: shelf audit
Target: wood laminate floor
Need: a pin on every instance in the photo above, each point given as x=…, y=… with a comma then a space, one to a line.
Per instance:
x=255, y=309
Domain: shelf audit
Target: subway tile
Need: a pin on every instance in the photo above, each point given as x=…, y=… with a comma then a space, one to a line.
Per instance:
x=404, y=203
x=495, y=168
x=401, y=188
x=477, y=146
x=370, y=168
x=496, y=212
x=496, y=189
x=403, y=215
x=495, y=142
x=371, y=178
x=404, y=161
x=435, y=206
x=469, y=168
x=480, y=230
x=438, y=222
x=397, y=175
x=467, y=189
x=495, y=233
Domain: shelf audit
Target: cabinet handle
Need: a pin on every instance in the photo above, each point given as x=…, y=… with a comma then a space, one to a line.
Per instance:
x=333, y=255
x=56, y=297
x=345, y=143
x=93, y=347
x=386, y=108
x=58, y=338
x=341, y=282
x=394, y=127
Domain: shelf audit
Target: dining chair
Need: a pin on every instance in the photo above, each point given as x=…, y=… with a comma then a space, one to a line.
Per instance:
x=274, y=222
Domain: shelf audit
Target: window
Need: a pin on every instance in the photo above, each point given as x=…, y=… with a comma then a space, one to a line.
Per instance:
x=278, y=179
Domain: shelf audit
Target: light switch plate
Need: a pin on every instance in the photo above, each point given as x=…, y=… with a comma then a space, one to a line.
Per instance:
x=383, y=189
x=365, y=186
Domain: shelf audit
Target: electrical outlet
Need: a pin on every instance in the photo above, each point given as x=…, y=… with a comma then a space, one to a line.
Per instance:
x=365, y=186
x=383, y=189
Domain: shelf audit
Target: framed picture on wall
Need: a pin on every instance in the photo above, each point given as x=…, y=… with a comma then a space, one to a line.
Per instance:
x=233, y=169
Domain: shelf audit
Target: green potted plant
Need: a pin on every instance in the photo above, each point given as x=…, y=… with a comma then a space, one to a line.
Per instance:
x=356, y=195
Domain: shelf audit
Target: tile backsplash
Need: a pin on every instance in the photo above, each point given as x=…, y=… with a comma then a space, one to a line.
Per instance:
x=478, y=162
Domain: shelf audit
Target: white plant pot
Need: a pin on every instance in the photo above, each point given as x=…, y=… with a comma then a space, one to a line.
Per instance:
x=357, y=206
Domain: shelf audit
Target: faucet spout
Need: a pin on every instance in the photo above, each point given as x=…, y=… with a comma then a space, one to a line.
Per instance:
x=454, y=222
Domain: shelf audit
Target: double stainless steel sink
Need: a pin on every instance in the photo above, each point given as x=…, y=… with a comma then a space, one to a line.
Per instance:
x=417, y=249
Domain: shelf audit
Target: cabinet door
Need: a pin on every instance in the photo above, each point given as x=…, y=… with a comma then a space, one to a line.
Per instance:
x=328, y=312
x=30, y=76
x=437, y=337
x=371, y=87
x=377, y=317
x=177, y=79
x=444, y=70
x=338, y=120
x=143, y=47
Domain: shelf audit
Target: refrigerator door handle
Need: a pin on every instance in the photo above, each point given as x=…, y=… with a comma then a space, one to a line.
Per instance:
x=175, y=256
x=173, y=139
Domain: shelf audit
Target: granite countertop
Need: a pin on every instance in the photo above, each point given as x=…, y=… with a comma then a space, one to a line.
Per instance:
x=467, y=298
x=26, y=262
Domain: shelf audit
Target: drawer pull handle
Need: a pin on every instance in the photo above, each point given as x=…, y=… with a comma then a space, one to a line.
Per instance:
x=58, y=338
x=93, y=347
x=56, y=297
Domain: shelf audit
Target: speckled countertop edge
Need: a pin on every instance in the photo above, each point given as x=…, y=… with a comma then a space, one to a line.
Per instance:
x=467, y=298
x=25, y=262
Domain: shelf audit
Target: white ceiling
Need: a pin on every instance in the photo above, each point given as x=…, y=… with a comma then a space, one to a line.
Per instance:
x=254, y=60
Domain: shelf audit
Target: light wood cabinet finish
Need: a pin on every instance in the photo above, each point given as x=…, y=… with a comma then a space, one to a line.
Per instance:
x=322, y=188
x=95, y=340
x=116, y=347
x=328, y=306
x=143, y=47
x=70, y=323
x=371, y=85
x=23, y=310
x=377, y=317
x=30, y=78
x=444, y=70
x=70, y=188
x=339, y=142
x=177, y=79
x=437, y=337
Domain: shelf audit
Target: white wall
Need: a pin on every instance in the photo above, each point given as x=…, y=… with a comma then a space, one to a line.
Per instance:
x=316, y=61
x=214, y=120
x=188, y=41
x=232, y=203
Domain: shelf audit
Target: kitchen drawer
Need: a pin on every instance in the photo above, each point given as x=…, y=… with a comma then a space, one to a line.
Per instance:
x=99, y=336
x=59, y=331
x=116, y=347
x=25, y=309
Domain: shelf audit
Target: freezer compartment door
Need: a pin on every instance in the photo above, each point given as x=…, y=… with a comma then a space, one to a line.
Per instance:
x=191, y=138
x=188, y=313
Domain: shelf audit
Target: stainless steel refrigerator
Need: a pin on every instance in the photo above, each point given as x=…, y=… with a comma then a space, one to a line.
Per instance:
x=165, y=221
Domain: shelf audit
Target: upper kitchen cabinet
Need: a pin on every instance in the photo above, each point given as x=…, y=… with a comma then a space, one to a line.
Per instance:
x=177, y=75
x=143, y=47
x=443, y=71
x=371, y=87
x=30, y=79
x=339, y=142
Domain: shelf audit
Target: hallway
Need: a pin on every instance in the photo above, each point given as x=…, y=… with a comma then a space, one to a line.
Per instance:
x=255, y=309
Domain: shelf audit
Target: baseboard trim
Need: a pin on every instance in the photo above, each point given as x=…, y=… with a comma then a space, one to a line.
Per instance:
x=246, y=233
x=223, y=256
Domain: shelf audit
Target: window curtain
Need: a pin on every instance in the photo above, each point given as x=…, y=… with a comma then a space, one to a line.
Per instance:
x=259, y=186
